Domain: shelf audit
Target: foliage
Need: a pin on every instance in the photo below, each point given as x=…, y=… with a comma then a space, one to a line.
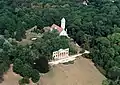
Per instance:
x=18, y=65
x=4, y=58
x=106, y=54
x=2, y=40
x=106, y=82
x=95, y=27
x=114, y=72
x=24, y=81
x=35, y=76
x=41, y=65
x=110, y=82
x=51, y=42
x=26, y=71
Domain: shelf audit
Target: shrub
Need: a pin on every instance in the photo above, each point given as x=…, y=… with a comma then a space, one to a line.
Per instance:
x=27, y=70
x=17, y=66
x=86, y=56
x=35, y=76
x=24, y=81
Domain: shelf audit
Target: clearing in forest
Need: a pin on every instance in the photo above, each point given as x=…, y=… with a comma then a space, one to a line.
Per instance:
x=82, y=72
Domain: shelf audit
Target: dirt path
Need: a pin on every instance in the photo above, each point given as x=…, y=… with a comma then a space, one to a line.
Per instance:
x=82, y=72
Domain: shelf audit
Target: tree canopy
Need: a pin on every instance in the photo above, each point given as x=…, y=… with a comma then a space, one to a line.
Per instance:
x=96, y=27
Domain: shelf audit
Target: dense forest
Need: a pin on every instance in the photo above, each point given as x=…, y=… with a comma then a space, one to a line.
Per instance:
x=95, y=27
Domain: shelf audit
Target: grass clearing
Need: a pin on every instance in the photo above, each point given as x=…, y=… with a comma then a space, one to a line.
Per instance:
x=82, y=72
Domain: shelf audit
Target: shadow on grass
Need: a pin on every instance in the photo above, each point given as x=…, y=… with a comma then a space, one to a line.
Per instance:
x=70, y=62
x=1, y=77
x=51, y=72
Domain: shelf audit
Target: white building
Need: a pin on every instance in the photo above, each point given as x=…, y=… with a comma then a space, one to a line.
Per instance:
x=84, y=3
x=61, y=54
x=61, y=29
x=64, y=32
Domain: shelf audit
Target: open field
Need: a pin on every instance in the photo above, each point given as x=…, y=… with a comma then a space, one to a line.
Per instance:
x=10, y=78
x=82, y=72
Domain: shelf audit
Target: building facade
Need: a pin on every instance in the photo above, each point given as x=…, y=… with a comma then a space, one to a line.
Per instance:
x=61, y=54
x=61, y=30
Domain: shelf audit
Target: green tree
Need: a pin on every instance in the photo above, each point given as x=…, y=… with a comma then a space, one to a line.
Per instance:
x=18, y=66
x=48, y=44
x=4, y=62
x=106, y=82
x=114, y=72
x=26, y=71
x=2, y=40
x=24, y=81
x=6, y=34
x=18, y=35
x=35, y=76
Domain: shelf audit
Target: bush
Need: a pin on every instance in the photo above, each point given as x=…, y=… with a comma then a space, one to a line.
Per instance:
x=106, y=82
x=114, y=72
x=27, y=70
x=2, y=40
x=86, y=56
x=17, y=66
x=24, y=81
x=35, y=76
x=23, y=69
